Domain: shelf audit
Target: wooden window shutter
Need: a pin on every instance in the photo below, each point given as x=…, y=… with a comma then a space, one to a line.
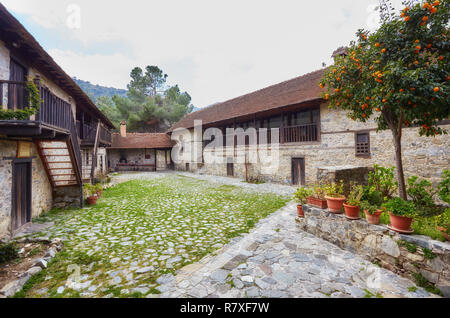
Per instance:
x=362, y=144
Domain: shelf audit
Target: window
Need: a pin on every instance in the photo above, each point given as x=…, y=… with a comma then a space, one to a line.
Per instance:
x=363, y=144
x=87, y=157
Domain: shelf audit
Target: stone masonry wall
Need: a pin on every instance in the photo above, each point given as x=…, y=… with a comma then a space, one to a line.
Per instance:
x=378, y=244
x=132, y=156
x=67, y=197
x=4, y=69
x=41, y=188
x=422, y=156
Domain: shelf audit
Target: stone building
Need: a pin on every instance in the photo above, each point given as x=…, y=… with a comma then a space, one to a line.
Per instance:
x=305, y=140
x=139, y=151
x=40, y=157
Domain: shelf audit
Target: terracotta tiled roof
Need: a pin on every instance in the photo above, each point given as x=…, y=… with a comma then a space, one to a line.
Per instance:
x=144, y=141
x=295, y=91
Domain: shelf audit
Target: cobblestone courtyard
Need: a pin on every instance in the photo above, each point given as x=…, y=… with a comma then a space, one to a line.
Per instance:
x=182, y=235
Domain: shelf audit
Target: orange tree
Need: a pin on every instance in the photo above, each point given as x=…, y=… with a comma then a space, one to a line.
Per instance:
x=398, y=75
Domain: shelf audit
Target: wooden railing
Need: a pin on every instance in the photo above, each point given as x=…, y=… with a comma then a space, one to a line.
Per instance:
x=105, y=135
x=88, y=133
x=14, y=93
x=54, y=111
x=291, y=134
x=303, y=133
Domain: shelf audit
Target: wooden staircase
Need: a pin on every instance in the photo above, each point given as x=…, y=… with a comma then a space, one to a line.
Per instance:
x=59, y=162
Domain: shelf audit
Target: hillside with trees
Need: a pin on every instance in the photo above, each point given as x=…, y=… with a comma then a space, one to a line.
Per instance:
x=95, y=91
x=149, y=104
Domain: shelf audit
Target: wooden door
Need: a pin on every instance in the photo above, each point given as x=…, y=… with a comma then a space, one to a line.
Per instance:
x=16, y=93
x=298, y=172
x=21, y=195
x=230, y=169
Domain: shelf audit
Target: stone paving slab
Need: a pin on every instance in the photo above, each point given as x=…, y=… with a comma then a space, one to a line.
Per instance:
x=276, y=260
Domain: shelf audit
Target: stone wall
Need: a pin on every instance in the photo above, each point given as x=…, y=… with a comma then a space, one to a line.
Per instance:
x=136, y=156
x=378, y=244
x=67, y=197
x=422, y=156
x=41, y=188
x=4, y=70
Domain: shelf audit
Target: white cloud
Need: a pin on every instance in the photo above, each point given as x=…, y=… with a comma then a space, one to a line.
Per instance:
x=230, y=47
x=109, y=70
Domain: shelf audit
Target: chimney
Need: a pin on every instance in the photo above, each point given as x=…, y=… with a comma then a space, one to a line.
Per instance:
x=123, y=128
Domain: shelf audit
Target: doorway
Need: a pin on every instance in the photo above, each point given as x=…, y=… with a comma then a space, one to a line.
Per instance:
x=230, y=169
x=298, y=172
x=21, y=195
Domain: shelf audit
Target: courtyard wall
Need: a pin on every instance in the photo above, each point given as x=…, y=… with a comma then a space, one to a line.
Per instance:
x=423, y=156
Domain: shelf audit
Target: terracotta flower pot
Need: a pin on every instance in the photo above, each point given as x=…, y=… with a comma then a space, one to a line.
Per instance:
x=92, y=200
x=401, y=224
x=335, y=204
x=300, y=212
x=373, y=218
x=321, y=204
x=352, y=212
x=444, y=233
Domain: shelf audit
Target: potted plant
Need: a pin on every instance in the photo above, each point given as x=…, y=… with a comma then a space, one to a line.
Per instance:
x=300, y=197
x=99, y=189
x=90, y=192
x=352, y=207
x=401, y=214
x=372, y=212
x=335, y=197
x=317, y=197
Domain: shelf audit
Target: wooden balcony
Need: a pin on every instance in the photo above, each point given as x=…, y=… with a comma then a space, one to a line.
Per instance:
x=53, y=122
x=88, y=132
x=287, y=135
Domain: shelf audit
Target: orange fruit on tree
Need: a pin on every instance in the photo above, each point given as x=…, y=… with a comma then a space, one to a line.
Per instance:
x=433, y=10
x=383, y=51
x=407, y=18
x=440, y=58
x=436, y=89
x=436, y=3
x=425, y=19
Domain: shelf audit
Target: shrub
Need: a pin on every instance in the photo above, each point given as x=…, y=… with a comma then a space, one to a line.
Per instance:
x=356, y=193
x=8, y=252
x=367, y=206
x=444, y=187
x=421, y=192
x=382, y=181
x=400, y=207
x=334, y=190
x=301, y=195
x=89, y=190
x=372, y=196
x=319, y=192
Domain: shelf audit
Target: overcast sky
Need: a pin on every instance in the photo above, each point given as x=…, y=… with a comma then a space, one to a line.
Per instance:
x=215, y=50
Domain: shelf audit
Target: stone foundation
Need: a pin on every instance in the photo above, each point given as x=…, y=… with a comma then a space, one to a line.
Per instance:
x=379, y=245
x=67, y=197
